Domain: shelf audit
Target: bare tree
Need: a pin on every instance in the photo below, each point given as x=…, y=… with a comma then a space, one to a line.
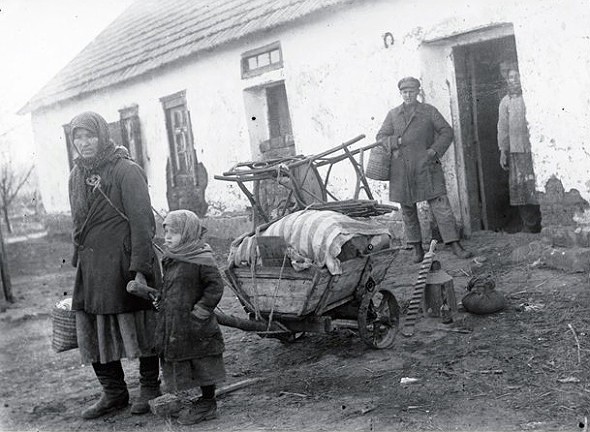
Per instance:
x=11, y=183
x=4, y=277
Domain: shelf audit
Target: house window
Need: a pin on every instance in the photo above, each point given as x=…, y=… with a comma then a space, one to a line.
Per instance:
x=180, y=138
x=262, y=60
x=131, y=133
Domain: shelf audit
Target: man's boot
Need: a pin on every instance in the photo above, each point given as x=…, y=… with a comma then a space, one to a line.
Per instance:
x=418, y=252
x=149, y=384
x=459, y=251
x=114, y=396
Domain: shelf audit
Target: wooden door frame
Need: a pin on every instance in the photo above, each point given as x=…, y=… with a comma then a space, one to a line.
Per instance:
x=446, y=43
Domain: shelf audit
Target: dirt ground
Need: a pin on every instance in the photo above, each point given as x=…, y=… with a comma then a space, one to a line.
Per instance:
x=513, y=370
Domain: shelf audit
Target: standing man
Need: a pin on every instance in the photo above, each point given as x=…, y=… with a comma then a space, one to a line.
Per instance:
x=515, y=154
x=417, y=136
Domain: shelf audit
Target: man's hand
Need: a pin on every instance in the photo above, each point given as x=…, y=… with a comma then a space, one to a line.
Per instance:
x=504, y=160
x=431, y=155
x=391, y=142
x=200, y=312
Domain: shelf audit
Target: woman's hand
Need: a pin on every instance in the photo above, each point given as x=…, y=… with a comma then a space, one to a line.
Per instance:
x=140, y=278
x=142, y=290
x=201, y=313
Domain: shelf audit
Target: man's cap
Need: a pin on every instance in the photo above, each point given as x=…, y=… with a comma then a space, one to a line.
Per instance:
x=408, y=82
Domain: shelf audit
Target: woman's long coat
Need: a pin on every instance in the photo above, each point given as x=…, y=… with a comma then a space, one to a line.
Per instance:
x=412, y=177
x=179, y=334
x=111, y=249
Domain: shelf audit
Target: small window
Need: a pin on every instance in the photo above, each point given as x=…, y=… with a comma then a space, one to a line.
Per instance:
x=262, y=60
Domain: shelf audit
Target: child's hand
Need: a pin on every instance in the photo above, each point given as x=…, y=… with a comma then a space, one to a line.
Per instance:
x=200, y=312
x=504, y=160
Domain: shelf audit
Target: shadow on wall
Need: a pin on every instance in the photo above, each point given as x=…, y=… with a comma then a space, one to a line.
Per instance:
x=186, y=189
x=559, y=207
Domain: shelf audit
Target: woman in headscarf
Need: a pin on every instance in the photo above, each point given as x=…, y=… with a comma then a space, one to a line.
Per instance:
x=188, y=336
x=113, y=230
x=515, y=153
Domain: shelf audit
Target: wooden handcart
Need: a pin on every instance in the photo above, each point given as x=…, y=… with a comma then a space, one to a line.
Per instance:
x=283, y=303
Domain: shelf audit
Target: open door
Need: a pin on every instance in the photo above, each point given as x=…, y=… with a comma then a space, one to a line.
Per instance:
x=480, y=87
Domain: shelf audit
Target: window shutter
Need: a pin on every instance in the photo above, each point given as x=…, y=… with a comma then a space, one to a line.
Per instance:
x=71, y=151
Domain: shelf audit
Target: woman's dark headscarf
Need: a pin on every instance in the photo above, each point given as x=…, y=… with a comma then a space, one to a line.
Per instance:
x=98, y=126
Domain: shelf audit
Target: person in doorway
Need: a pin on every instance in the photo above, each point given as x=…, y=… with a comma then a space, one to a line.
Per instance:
x=188, y=336
x=515, y=154
x=417, y=136
x=113, y=230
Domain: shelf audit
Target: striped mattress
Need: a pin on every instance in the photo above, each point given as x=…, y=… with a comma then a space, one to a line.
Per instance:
x=314, y=234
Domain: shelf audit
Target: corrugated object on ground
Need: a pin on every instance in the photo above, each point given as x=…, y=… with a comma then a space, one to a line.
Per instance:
x=154, y=33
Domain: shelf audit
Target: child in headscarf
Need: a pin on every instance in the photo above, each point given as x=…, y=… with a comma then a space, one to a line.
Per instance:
x=188, y=337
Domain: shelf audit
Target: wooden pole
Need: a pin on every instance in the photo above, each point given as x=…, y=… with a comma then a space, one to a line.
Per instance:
x=245, y=324
x=5, y=276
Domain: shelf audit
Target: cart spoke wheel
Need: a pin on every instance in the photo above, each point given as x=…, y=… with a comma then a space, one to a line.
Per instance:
x=378, y=318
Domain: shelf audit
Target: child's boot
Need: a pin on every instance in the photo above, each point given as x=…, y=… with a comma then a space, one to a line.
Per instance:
x=202, y=409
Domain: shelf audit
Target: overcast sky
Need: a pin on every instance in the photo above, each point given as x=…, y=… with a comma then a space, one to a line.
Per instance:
x=37, y=39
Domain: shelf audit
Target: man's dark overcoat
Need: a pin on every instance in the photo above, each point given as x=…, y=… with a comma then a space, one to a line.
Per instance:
x=412, y=177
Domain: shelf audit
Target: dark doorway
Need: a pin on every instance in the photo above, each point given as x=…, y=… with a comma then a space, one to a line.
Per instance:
x=280, y=144
x=280, y=135
x=480, y=87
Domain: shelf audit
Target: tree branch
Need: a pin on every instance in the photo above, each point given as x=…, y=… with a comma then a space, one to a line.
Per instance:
x=20, y=185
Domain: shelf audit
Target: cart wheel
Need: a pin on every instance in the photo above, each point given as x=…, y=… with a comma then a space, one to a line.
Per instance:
x=378, y=318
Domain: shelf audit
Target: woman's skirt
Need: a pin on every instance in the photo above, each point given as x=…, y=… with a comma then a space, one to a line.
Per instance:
x=106, y=338
x=522, y=179
x=183, y=375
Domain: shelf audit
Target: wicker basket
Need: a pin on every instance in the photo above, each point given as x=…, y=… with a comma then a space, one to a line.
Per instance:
x=64, y=329
x=379, y=164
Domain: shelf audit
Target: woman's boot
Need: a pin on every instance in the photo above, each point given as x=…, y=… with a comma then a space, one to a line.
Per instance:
x=114, y=396
x=149, y=384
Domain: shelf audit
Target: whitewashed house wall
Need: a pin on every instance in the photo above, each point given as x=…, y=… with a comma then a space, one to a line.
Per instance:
x=341, y=80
